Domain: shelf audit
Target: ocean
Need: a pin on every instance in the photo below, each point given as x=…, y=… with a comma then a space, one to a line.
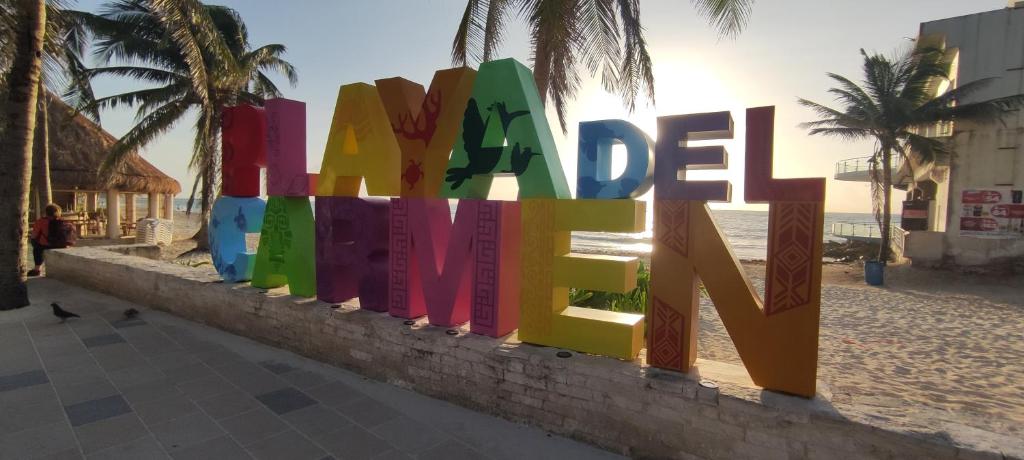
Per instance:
x=747, y=232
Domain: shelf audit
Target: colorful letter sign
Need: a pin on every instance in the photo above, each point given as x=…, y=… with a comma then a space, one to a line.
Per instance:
x=360, y=144
x=426, y=125
x=286, y=148
x=243, y=149
x=777, y=338
x=594, y=168
x=456, y=272
x=352, y=251
x=286, y=253
x=504, y=131
x=549, y=270
x=507, y=265
x=230, y=220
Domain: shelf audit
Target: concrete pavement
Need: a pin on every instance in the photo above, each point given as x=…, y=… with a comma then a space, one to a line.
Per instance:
x=161, y=387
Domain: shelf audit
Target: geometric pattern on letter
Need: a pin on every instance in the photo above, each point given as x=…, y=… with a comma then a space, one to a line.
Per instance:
x=667, y=332
x=670, y=221
x=485, y=286
x=790, y=251
x=398, y=302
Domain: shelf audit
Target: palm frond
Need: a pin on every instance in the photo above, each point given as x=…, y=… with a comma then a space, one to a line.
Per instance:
x=469, y=35
x=494, y=27
x=636, y=70
x=729, y=17
x=925, y=149
x=147, y=129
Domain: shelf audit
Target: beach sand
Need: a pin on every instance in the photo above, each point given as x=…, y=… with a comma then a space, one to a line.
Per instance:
x=932, y=347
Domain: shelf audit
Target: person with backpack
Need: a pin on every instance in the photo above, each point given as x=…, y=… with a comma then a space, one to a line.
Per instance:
x=49, y=232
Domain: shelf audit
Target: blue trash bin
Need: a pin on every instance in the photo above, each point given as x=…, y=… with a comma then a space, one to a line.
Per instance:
x=874, y=272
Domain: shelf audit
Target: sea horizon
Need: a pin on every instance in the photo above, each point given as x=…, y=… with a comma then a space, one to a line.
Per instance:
x=747, y=231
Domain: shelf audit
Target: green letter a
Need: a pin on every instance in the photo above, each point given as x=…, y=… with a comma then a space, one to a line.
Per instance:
x=504, y=131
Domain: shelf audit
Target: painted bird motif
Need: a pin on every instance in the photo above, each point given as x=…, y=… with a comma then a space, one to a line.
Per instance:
x=482, y=160
x=504, y=115
x=520, y=159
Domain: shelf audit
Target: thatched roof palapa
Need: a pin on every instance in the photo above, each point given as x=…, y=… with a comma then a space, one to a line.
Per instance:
x=78, y=147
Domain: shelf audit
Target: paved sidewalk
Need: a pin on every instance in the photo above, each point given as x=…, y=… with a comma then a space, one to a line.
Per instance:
x=102, y=387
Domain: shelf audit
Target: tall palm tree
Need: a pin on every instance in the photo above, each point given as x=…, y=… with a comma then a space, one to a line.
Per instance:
x=601, y=35
x=895, y=102
x=60, y=72
x=27, y=19
x=200, y=60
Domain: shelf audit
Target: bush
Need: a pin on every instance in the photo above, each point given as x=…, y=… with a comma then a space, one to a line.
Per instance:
x=634, y=301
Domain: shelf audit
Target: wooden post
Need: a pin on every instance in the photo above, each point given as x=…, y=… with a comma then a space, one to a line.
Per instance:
x=168, y=206
x=154, y=205
x=92, y=201
x=129, y=210
x=113, y=214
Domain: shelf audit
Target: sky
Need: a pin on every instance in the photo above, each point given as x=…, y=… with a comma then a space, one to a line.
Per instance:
x=783, y=54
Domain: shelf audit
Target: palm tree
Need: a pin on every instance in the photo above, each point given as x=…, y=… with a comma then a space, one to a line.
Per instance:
x=60, y=65
x=896, y=101
x=27, y=20
x=603, y=35
x=200, y=59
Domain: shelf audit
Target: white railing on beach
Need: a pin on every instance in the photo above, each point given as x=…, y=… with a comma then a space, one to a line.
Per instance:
x=856, y=230
x=868, y=231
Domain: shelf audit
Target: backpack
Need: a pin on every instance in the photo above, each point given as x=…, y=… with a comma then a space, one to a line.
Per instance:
x=57, y=234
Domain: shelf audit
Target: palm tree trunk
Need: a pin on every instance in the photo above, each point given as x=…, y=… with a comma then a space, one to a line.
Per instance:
x=209, y=179
x=16, y=161
x=202, y=237
x=883, y=251
x=41, y=154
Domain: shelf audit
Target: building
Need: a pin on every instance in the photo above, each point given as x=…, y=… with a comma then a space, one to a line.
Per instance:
x=104, y=208
x=966, y=209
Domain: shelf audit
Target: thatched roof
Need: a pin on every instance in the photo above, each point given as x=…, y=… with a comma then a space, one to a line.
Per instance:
x=78, y=147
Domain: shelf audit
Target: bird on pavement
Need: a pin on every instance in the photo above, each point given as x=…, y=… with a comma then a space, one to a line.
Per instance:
x=130, y=313
x=61, y=313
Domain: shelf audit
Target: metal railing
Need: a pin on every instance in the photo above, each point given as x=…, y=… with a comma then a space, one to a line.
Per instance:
x=863, y=164
x=856, y=230
x=865, y=231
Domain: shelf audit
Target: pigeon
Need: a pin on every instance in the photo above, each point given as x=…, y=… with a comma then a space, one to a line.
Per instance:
x=130, y=313
x=61, y=313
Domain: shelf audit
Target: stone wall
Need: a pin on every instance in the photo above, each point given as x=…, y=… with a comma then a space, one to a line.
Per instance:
x=626, y=407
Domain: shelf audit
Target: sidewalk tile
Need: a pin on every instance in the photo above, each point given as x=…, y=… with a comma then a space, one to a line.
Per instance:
x=109, y=432
x=186, y=431
x=87, y=412
x=290, y=445
x=221, y=448
x=285, y=400
x=253, y=426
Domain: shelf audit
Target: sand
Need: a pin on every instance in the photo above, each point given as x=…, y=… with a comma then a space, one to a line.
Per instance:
x=931, y=346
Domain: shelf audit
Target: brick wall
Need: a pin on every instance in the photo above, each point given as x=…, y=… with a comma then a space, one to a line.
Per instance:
x=622, y=406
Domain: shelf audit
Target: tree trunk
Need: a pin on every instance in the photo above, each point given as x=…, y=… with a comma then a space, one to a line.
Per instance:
x=19, y=114
x=42, y=188
x=209, y=178
x=202, y=236
x=883, y=251
x=43, y=141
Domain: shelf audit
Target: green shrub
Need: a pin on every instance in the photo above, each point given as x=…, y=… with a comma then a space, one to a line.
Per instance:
x=634, y=301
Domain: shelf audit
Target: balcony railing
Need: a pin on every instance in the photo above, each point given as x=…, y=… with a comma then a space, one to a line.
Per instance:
x=863, y=164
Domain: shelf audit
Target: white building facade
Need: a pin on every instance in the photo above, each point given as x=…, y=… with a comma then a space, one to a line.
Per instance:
x=968, y=209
